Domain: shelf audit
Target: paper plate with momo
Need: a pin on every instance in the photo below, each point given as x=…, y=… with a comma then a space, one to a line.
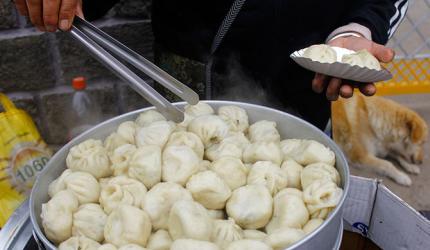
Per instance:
x=360, y=66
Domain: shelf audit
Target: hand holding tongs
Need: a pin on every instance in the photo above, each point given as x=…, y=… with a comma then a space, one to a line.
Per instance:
x=99, y=43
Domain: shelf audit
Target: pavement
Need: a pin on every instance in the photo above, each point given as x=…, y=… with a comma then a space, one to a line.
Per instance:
x=417, y=195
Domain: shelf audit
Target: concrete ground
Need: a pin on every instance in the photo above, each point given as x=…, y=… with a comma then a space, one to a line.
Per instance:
x=417, y=195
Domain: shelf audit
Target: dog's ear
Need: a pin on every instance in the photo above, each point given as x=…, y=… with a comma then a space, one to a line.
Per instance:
x=417, y=128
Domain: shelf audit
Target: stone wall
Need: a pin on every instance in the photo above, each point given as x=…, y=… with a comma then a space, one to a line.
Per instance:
x=36, y=68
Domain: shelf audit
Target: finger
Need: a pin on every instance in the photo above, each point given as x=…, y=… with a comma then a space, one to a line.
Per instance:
x=368, y=89
x=332, y=92
x=67, y=13
x=21, y=6
x=50, y=14
x=346, y=91
x=79, y=11
x=319, y=82
x=35, y=13
x=382, y=53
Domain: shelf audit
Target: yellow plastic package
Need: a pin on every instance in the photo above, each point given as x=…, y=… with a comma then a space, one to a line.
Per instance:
x=23, y=154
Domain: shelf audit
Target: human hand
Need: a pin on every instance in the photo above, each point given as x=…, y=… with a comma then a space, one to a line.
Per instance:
x=49, y=15
x=345, y=88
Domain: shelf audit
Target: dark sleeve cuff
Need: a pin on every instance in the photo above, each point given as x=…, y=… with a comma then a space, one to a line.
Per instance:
x=95, y=9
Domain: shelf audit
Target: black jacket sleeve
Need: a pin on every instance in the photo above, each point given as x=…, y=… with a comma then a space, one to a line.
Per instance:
x=382, y=17
x=94, y=9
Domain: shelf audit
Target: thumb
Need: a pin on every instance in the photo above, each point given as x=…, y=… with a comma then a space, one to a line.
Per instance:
x=382, y=53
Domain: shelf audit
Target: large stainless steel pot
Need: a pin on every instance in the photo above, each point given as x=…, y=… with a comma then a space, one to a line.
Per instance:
x=325, y=237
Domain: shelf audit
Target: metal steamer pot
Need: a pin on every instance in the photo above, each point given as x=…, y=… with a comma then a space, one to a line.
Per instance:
x=327, y=236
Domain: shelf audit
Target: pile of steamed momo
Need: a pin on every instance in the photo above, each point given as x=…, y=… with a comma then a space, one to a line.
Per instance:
x=215, y=181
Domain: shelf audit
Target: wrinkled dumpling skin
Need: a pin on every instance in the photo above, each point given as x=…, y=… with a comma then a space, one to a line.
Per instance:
x=262, y=151
x=122, y=190
x=57, y=216
x=209, y=189
x=231, y=170
x=321, y=197
x=179, y=163
x=362, y=58
x=199, y=109
x=127, y=225
x=248, y=245
x=216, y=214
x=268, y=174
x=89, y=221
x=223, y=149
x=264, y=131
x=184, y=138
x=84, y=186
x=211, y=129
x=159, y=240
x=235, y=117
x=89, y=156
x=79, y=243
x=120, y=159
x=225, y=231
x=319, y=171
x=284, y=238
x=132, y=247
x=293, y=171
x=160, y=199
x=190, y=244
x=107, y=246
x=145, y=165
x=148, y=117
x=156, y=133
x=306, y=152
x=189, y=220
x=312, y=225
x=250, y=206
x=127, y=130
x=58, y=184
x=113, y=141
x=253, y=234
x=321, y=53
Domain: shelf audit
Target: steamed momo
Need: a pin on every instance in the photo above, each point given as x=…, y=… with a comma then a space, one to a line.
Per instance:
x=187, y=139
x=107, y=247
x=268, y=174
x=248, y=245
x=216, y=214
x=189, y=244
x=210, y=128
x=89, y=156
x=148, y=117
x=127, y=130
x=58, y=184
x=321, y=197
x=84, y=186
x=306, y=152
x=120, y=159
x=145, y=165
x=235, y=117
x=231, y=170
x=318, y=171
x=113, y=141
x=89, y=221
x=79, y=243
x=121, y=190
x=156, y=133
x=127, y=225
x=179, y=163
x=362, y=58
x=223, y=149
x=293, y=170
x=321, y=53
x=57, y=216
x=193, y=111
x=264, y=131
x=209, y=189
x=284, y=238
x=253, y=234
x=312, y=225
x=159, y=240
x=189, y=219
x=262, y=151
x=132, y=247
x=225, y=231
x=160, y=199
x=250, y=206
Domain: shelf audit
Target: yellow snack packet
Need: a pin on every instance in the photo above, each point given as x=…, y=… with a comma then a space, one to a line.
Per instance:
x=23, y=154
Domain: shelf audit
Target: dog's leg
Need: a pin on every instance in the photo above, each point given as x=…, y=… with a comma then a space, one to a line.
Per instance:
x=411, y=168
x=386, y=168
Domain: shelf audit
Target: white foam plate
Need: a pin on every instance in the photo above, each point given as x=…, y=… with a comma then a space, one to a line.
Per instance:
x=342, y=70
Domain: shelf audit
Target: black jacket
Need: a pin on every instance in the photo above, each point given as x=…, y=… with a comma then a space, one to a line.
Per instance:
x=263, y=36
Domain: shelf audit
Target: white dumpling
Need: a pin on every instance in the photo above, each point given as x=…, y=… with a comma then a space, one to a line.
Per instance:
x=223, y=149
x=107, y=246
x=199, y=109
x=321, y=197
x=147, y=117
x=225, y=231
x=189, y=244
x=248, y=244
x=253, y=234
x=293, y=170
x=127, y=225
x=127, y=130
x=57, y=216
x=79, y=243
x=189, y=219
x=318, y=171
x=84, y=186
x=204, y=165
x=268, y=174
x=89, y=221
x=321, y=53
x=284, y=237
x=103, y=182
x=89, y=156
x=160, y=199
x=235, y=117
x=250, y=206
x=211, y=129
x=120, y=159
x=113, y=141
x=156, y=133
x=145, y=165
x=264, y=131
x=231, y=170
x=263, y=151
x=209, y=189
x=187, y=139
x=121, y=190
x=306, y=152
x=132, y=247
x=312, y=225
x=179, y=163
x=289, y=210
x=216, y=214
x=362, y=58
x=159, y=240
x=58, y=184
x=237, y=138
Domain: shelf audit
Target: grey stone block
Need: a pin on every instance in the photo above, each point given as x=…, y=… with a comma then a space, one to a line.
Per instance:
x=132, y=8
x=76, y=61
x=25, y=62
x=8, y=17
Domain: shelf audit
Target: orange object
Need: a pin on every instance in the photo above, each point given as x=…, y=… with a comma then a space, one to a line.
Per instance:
x=79, y=83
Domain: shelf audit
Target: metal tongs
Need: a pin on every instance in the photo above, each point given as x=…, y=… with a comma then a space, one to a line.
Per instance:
x=99, y=44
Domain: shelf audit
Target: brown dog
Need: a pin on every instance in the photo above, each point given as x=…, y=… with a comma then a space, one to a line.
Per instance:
x=369, y=129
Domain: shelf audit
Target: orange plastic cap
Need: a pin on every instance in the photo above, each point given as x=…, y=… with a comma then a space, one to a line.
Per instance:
x=79, y=83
